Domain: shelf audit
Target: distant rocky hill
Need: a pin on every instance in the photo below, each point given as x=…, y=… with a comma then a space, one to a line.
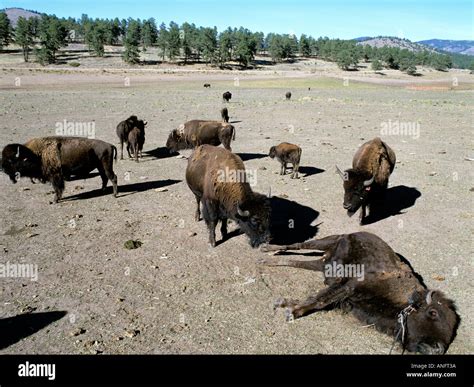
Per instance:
x=465, y=47
x=391, y=41
x=15, y=13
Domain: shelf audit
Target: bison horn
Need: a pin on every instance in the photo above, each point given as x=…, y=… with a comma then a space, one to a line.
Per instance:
x=145, y=123
x=369, y=182
x=429, y=297
x=339, y=172
x=244, y=214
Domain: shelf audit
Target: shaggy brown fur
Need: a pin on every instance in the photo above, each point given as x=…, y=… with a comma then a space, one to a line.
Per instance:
x=388, y=286
x=287, y=153
x=215, y=177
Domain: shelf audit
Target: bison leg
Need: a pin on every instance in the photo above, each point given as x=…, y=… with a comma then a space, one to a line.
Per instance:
x=362, y=214
x=283, y=169
x=315, y=265
x=121, y=146
x=197, y=215
x=210, y=217
x=322, y=244
x=321, y=300
x=224, y=228
x=294, y=175
x=58, y=186
x=128, y=151
x=107, y=173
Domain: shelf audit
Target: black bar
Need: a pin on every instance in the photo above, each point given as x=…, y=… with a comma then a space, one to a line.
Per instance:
x=237, y=369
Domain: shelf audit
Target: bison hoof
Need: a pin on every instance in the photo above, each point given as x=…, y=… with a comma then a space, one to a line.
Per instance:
x=289, y=316
x=280, y=303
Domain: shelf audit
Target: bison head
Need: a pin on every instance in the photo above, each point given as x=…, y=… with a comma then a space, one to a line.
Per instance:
x=19, y=161
x=272, y=152
x=432, y=326
x=132, y=120
x=175, y=141
x=357, y=187
x=253, y=217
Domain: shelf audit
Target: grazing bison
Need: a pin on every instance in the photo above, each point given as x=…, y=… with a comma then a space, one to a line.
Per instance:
x=218, y=178
x=288, y=95
x=225, y=115
x=123, y=129
x=56, y=159
x=207, y=85
x=367, y=180
x=196, y=132
x=136, y=139
x=227, y=96
x=287, y=153
x=363, y=274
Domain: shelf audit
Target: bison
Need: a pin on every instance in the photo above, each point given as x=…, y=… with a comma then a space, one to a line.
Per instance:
x=196, y=132
x=56, y=159
x=288, y=95
x=218, y=179
x=123, y=129
x=367, y=180
x=226, y=97
x=225, y=115
x=136, y=139
x=363, y=274
x=287, y=153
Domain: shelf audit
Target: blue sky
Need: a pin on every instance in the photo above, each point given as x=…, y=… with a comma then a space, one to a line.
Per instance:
x=411, y=19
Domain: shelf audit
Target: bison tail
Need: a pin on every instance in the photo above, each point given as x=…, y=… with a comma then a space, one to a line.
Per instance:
x=114, y=152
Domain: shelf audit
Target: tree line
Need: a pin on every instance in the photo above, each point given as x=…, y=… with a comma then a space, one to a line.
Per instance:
x=190, y=43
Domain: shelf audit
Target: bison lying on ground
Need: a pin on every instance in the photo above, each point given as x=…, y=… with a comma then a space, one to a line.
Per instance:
x=218, y=178
x=288, y=95
x=197, y=132
x=372, y=165
x=56, y=159
x=225, y=115
x=226, y=97
x=287, y=153
x=363, y=274
x=123, y=129
x=136, y=139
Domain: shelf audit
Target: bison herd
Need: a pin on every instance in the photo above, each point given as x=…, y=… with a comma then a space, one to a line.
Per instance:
x=390, y=295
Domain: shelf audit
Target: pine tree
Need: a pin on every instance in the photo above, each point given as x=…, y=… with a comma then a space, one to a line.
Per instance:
x=24, y=35
x=174, y=41
x=376, y=65
x=5, y=30
x=131, y=53
x=305, y=48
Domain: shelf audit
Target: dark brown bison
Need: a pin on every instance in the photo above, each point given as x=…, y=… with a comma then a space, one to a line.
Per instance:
x=196, y=132
x=123, y=129
x=368, y=178
x=207, y=85
x=56, y=159
x=218, y=179
x=226, y=97
x=287, y=153
x=225, y=115
x=136, y=139
x=363, y=274
x=288, y=95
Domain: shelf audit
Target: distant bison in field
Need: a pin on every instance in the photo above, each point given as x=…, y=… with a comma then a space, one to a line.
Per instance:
x=227, y=96
x=363, y=274
x=56, y=159
x=288, y=95
x=218, y=179
x=197, y=132
x=287, y=153
x=207, y=85
x=225, y=114
x=372, y=165
x=136, y=139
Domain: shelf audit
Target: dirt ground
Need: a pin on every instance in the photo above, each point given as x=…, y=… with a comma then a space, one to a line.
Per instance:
x=174, y=294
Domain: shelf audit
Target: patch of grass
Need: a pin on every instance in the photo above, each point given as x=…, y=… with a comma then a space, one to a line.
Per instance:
x=74, y=64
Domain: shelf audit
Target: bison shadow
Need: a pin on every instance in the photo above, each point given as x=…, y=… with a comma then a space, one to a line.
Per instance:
x=392, y=203
x=161, y=152
x=123, y=190
x=291, y=222
x=18, y=327
x=310, y=171
x=251, y=156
